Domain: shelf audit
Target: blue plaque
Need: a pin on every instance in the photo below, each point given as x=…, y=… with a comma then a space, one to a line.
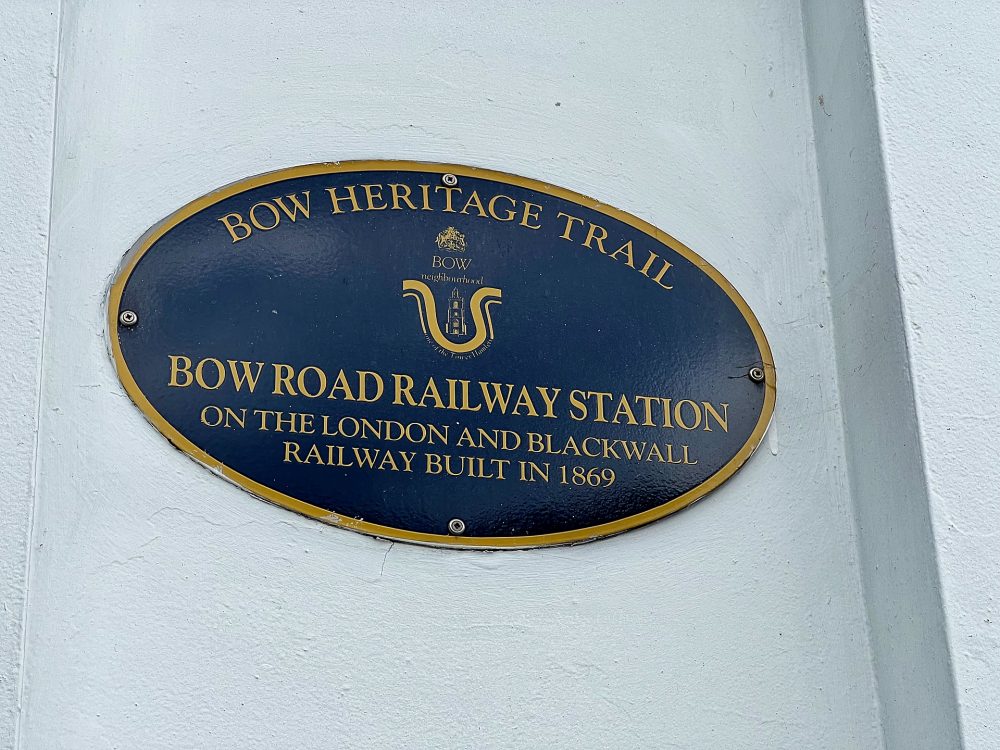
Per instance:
x=440, y=354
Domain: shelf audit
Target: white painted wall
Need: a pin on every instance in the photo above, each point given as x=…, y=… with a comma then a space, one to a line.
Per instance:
x=171, y=610
x=28, y=32
x=938, y=91
x=797, y=607
x=889, y=490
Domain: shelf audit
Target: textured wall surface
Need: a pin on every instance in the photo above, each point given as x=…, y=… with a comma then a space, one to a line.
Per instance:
x=888, y=486
x=28, y=32
x=171, y=610
x=937, y=86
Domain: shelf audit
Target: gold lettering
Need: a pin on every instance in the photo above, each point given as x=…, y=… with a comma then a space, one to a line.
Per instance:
x=625, y=250
x=363, y=376
x=264, y=414
x=527, y=214
x=466, y=397
x=679, y=414
x=283, y=375
x=366, y=457
x=180, y=365
x=247, y=377
x=592, y=235
x=578, y=408
x=306, y=424
x=296, y=206
x=624, y=408
x=431, y=392
x=388, y=462
x=649, y=263
x=567, y=231
x=400, y=193
x=291, y=451
x=595, y=453
x=722, y=420
x=433, y=465
x=647, y=402
x=303, y=385
x=509, y=216
x=602, y=397
x=496, y=397
x=425, y=192
x=372, y=194
x=199, y=373
x=216, y=418
x=632, y=450
x=447, y=196
x=336, y=199
x=549, y=400
x=232, y=227
x=524, y=402
x=403, y=385
x=475, y=202
x=659, y=277
x=666, y=412
x=274, y=214
x=341, y=384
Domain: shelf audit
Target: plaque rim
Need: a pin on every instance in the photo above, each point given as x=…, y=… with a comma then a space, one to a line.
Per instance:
x=273, y=496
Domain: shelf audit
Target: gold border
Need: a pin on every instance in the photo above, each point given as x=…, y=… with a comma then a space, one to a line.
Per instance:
x=266, y=493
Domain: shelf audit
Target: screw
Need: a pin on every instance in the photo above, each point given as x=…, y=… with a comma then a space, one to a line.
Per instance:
x=456, y=526
x=128, y=318
x=449, y=179
x=757, y=374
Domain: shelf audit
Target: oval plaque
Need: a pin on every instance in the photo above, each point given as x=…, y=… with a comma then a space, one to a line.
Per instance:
x=440, y=354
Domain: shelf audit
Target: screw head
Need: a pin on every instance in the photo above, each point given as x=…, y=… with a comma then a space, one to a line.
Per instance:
x=449, y=180
x=128, y=318
x=456, y=526
x=757, y=374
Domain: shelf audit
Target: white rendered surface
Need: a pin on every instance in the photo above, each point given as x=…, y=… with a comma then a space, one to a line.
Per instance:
x=888, y=487
x=937, y=85
x=169, y=609
x=28, y=43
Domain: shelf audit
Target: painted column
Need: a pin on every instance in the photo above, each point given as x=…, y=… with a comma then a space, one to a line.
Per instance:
x=28, y=51
x=937, y=88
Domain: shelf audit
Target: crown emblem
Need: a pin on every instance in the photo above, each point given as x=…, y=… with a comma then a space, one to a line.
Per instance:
x=451, y=239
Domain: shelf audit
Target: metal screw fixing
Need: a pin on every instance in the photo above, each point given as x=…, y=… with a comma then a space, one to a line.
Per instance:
x=757, y=374
x=456, y=526
x=128, y=318
x=449, y=180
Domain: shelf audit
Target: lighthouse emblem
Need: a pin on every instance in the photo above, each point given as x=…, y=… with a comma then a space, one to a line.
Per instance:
x=456, y=314
x=464, y=328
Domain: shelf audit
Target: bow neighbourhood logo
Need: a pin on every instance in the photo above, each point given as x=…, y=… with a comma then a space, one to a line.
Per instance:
x=468, y=331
